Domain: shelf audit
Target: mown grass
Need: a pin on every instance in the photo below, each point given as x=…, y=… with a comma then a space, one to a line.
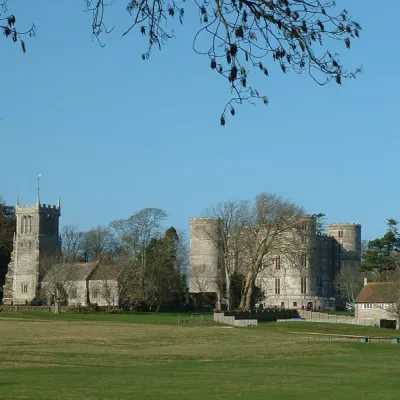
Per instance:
x=137, y=318
x=64, y=357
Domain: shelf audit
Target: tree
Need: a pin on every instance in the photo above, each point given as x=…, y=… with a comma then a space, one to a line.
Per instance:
x=242, y=37
x=274, y=228
x=238, y=281
x=349, y=283
x=378, y=259
x=7, y=230
x=56, y=281
x=72, y=243
x=201, y=278
x=8, y=27
x=98, y=244
x=233, y=217
x=321, y=224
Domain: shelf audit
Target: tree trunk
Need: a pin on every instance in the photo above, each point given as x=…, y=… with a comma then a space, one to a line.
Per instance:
x=158, y=307
x=245, y=290
x=228, y=290
x=398, y=323
x=56, y=309
x=247, y=306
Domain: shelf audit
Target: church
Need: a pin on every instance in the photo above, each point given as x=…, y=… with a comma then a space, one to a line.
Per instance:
x=37, y=236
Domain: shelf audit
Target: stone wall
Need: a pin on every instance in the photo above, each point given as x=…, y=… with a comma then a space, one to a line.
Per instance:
x=335, y=319
x=222, y=319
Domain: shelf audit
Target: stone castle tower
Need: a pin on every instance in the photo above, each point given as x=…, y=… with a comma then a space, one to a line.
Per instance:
x=37, y=234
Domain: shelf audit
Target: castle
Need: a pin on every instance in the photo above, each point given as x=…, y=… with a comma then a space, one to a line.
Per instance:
x=309, y=285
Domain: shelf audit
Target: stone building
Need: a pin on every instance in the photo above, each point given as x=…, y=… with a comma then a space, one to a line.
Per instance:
x=36, y=236
x=308, y=282
x=378, y=302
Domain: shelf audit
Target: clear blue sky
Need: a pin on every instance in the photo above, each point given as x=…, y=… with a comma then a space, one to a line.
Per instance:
x=112, y=134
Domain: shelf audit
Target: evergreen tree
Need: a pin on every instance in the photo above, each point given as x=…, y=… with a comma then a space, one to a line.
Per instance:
x=7, y=229
x=378, y=259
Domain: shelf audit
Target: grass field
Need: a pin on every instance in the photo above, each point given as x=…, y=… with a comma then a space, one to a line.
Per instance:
x=78, y=356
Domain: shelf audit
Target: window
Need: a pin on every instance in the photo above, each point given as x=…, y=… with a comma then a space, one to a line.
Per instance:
x=95, y=293
x=277, y=263
x=340, y=234
x=295, y=304
x=303, y=283
x=304, y=260
x=277, y=286
x=367, y=306
x=73, y=293
x=283, y=304
x=24, y=288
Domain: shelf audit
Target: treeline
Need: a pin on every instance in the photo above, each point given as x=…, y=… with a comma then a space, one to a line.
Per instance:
x=154, y=259
x=7, y=229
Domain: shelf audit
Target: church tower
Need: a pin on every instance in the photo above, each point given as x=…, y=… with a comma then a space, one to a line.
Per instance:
x=37, y=235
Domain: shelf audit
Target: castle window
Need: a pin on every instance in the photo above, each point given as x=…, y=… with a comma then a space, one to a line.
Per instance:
x=277, y=286
x=73, y=293
x=304, y=260
x=277, y=263
x=24, y=288
x=303, y=283
x=340, y=234
x=30, y=224
x=295, y=304
x=95, y=293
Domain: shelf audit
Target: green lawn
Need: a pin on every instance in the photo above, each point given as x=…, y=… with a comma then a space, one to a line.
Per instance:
x=100, y=356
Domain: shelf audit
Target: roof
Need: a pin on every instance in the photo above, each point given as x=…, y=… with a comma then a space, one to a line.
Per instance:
x=70, y=272
x=379, y=292
x=106, y=271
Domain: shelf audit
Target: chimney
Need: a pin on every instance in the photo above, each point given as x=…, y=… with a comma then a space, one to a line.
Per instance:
x=365, y=281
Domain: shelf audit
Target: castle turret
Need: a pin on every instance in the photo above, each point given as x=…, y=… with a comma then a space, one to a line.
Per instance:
x=37, y=235
x=348, y=244
x=205, y=255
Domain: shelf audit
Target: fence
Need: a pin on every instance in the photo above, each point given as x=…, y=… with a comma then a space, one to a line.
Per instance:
x=312, y=316
x=230, y=320
x=265, y=315
x=8, y=308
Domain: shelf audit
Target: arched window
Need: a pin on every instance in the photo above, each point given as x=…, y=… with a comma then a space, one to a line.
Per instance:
x=30, y=224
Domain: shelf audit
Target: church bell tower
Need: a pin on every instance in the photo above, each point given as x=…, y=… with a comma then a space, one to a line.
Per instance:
x=37, y=235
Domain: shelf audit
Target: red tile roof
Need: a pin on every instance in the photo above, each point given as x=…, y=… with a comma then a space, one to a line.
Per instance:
x=379, y=292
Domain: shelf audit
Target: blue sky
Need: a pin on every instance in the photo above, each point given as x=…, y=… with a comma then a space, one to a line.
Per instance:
x=112, y=134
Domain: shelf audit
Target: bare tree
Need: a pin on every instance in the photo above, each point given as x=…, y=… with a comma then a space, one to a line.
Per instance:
x=56, y=281
x=349, y=283
x=233, y=217
x=8, y=26
x=99, y=243
x=72, y=242
x=136, y=232
x=201, y=279
x=243, y=37
x=273, y=228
